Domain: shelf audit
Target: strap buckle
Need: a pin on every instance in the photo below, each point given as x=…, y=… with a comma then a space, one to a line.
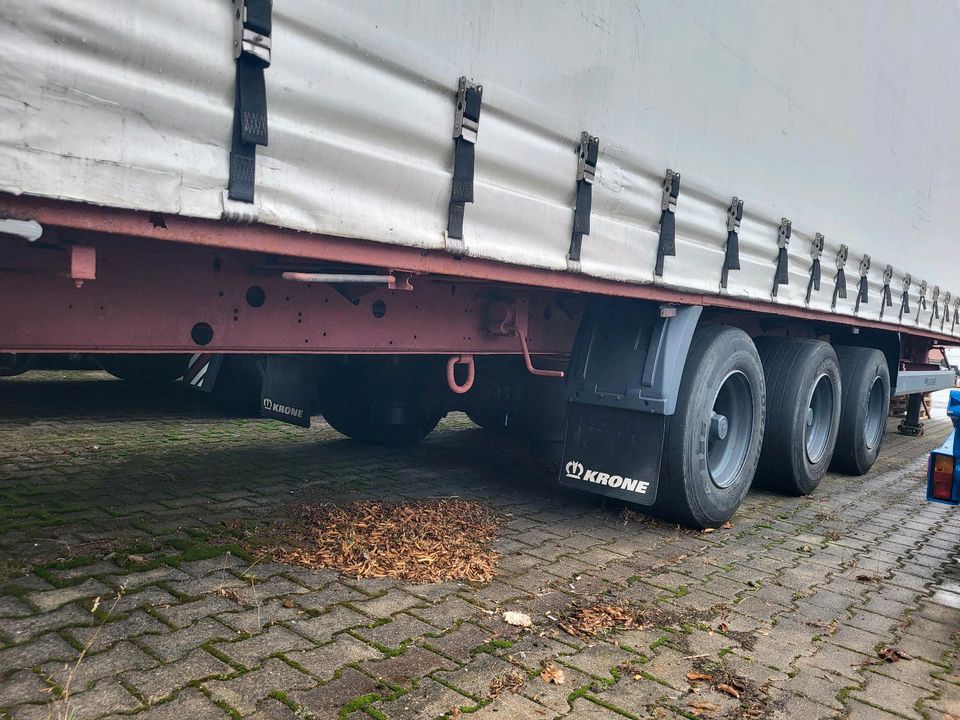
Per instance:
x=248, y=40
x=586, y=158
x=464, y=126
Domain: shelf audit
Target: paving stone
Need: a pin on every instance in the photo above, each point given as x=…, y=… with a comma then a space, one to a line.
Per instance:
x=21, y=629
x=46, y=600
x=100, y=637
x=323, y=662
x=395, y=632
x=179, y=643
x=332, y=594
x=322, y=628
x=425, y=703
x=458, y=642
x=120, y=658
x=191, y=703
x=180, y=616
x=327, y=700
x=36, y=652
x=253, y=651
x=23, y=686
x=390, y=603
x=254, y=620
x=161, y=682
x=414, y=663
x=245, y=692
x=890, y=695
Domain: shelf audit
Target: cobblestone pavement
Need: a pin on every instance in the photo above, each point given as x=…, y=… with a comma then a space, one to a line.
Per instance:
x=140, y=500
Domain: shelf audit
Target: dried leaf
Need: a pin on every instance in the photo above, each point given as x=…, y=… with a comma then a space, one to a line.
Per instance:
x=422, y=542
x=703, y=706
x=455, y=713
x=594, y=620
x=869, y=578
x=230, y=594
x=892, y=654
x=707, y=531
x=96, y=604
x=288, y=603
x=512, y=681
x=729, y=690
x=517, y=619
x=139, y=559
x=552, y=674
x=727, y=525
x=723, y=627
x=699, y=676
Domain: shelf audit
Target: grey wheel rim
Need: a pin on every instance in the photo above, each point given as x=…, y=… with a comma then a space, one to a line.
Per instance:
x=818, y=419
x=873, y=427
x=730, y=429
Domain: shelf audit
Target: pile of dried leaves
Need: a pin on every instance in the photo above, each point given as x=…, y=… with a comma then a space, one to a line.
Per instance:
x=424, y=541
x=591, y=620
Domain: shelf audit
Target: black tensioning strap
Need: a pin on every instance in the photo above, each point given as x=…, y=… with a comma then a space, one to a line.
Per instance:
x=588, y=154
x=668, y=222
x=466, y=125
x=250, y=97
x=731, y=256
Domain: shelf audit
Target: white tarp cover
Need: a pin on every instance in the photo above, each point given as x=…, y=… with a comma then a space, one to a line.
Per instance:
x=842, y=116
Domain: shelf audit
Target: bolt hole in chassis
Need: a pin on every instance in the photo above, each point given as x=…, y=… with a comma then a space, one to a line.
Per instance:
x=674, y=403
x=668, y=346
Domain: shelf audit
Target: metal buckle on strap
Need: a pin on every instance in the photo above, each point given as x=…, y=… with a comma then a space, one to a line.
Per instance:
x=246, y=40
x=586, y=170
x=465, y=126
x=671, y=190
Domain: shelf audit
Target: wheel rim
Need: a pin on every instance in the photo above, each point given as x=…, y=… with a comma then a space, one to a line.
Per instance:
x=818, y=421
x=873, y=427
x=730, y=429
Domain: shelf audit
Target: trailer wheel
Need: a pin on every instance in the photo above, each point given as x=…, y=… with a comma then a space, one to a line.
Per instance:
x=239, y=384
x=358, y=422
x=713, y=439
x=803, y=413
x=488, y=419
x=865, y=379
x=143, y=369
x=12, y=364
x=376, y=401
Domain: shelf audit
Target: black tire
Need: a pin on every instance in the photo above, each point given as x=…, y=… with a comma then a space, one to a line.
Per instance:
x=355, y=420
x=144, y=369
x=489, y=419
x=803, y=413
x=704, y=479
x=13, y=364
x=865, y=378
x=239, y=384
x=375, y=401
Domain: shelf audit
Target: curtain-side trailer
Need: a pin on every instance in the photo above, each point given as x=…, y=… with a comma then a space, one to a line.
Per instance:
x=700, y=243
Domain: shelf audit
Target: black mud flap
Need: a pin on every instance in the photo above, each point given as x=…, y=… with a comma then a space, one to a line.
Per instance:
x=613, y=452
x=289, y=389
x=622, y=387
x=202, y=370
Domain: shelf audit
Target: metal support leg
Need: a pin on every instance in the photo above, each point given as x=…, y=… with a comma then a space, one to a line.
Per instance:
x=911, y=425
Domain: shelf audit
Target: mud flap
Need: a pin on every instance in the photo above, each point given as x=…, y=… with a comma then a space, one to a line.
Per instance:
x=622, y=387
x=202, y=370
x=613, y=452
x=289, y=389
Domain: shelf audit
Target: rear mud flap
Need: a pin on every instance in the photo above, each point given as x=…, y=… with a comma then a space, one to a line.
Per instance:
x=202, y=370
x=613, y=452
x=289, y=389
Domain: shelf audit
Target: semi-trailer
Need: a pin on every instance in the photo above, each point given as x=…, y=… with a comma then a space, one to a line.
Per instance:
x=697, y=245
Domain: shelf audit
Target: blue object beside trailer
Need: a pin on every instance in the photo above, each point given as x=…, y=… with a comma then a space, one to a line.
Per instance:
x=943, y=468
